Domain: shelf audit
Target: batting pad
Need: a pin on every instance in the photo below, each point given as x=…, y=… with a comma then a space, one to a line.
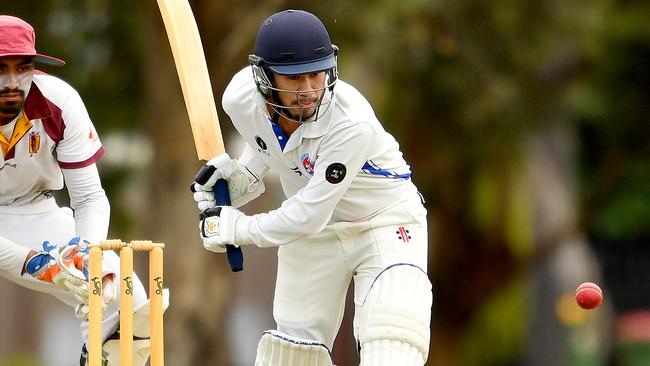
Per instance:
x=141, y=316
x=141, y=342
x=141, y=352
x=279, y=349
x=395, y=317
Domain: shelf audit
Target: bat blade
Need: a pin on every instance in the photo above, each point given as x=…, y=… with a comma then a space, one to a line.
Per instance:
x=185, y=42
x=192, y=69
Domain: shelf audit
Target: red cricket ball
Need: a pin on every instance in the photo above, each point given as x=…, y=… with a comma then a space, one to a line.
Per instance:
x=589, y=295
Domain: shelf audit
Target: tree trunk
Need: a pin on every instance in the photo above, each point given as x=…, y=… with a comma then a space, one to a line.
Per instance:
x=198, y=280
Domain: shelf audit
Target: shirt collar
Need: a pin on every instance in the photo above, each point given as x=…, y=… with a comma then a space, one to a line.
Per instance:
x=306, y=130
x=36, y=105
x=310, y=129
x=318, y=128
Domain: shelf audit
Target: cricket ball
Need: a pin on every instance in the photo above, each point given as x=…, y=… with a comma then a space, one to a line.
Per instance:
x=589, y=295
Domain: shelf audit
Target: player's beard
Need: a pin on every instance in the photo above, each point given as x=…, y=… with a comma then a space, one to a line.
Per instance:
x=24, y=80
x=303, y=113
x=12, y=108
x=292, y=110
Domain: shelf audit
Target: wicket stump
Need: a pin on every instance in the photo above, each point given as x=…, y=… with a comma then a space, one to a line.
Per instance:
x=95, y=300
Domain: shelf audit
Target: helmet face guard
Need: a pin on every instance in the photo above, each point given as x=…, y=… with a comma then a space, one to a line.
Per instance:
x=263, y=80
x=294, y=42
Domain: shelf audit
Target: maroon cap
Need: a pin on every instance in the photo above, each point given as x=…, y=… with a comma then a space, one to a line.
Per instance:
x=17, y=38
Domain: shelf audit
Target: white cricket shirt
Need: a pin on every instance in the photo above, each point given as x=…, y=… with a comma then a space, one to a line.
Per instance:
x=342, y=168
x=53, y=132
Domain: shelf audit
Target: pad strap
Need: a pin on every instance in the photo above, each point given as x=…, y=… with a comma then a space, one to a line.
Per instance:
x=279, y=349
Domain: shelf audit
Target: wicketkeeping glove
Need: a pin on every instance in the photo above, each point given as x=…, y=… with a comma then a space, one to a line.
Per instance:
x=243, y=185
x=217, y=227
x=65, y=267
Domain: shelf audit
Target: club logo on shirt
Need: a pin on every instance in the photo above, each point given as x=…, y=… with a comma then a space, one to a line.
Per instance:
x=307, y=163
x=335, y=173
x=34, y=142
x=260, y=142
x=262, y=146
x=403, y=234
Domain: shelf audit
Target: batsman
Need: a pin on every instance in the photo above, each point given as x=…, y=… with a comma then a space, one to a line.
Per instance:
x=352, y=211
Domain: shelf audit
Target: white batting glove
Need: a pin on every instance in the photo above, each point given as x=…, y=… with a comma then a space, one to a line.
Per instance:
x=217, y=227
x=219, y=167
x=243, y=185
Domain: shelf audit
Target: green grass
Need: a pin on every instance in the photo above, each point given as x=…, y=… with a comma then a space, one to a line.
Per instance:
x=19, y=360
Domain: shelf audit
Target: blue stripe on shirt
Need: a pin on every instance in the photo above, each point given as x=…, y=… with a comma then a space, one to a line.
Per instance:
x=371, y=168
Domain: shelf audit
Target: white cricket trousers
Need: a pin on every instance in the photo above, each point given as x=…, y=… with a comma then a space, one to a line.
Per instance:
x=31, y=225
x=314, y=273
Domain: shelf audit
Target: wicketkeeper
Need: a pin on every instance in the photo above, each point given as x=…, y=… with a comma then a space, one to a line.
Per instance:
x=47, y=139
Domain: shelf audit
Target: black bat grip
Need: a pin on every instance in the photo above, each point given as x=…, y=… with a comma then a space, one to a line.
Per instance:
x=222, y=198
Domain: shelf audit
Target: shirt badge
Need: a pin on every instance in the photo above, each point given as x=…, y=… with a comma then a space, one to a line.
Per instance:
x=260, y=142
x=403, y=234
x=335, y=173
x=307, y=163
x=34, y=142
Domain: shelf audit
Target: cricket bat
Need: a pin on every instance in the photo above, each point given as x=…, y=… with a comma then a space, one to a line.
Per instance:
x=192, y=70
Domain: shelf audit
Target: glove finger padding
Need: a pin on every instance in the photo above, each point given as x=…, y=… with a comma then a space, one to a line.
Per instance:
x=243, y=185
x=73, y=274
x=219, y=167
x=74, y=258
x=81, y=294
x=73, y=284
x=204, y=200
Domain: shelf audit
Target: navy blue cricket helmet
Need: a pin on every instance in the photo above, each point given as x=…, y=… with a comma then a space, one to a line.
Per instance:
x=292, y=42
x=295, y=42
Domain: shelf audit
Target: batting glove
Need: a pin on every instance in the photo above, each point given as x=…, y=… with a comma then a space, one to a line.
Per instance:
x=219, y=167
x=243, y=185
x=217, y=227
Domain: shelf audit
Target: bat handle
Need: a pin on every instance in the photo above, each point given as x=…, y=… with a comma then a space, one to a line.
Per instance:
x=235, y=255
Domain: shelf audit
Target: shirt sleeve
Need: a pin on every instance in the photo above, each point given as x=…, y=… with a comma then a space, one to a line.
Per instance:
x=89, y=202
x=80, y=145
x=341, y=156
x=12, y=257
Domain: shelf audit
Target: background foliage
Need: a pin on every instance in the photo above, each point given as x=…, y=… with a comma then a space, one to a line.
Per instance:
x=472, y=90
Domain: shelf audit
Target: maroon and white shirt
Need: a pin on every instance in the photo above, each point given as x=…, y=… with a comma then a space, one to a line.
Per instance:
x=53, y=132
